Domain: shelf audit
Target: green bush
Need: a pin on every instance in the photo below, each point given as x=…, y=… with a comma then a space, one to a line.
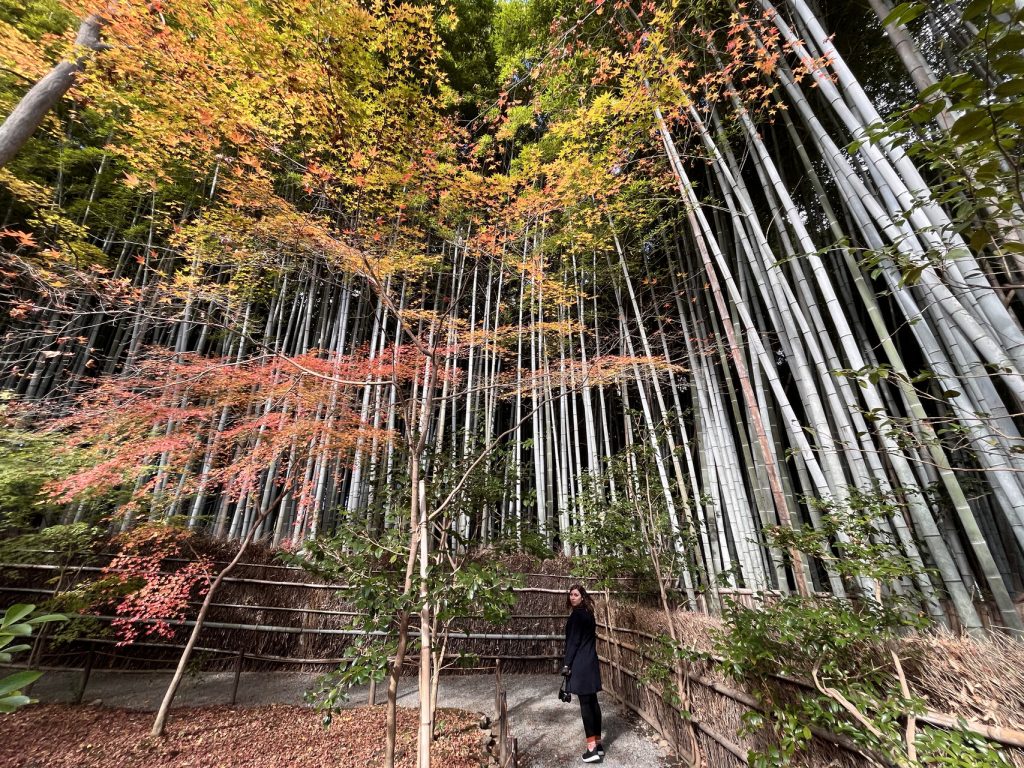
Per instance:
x=847, y=647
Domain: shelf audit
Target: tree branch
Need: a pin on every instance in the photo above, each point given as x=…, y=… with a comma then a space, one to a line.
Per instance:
x=45, y=94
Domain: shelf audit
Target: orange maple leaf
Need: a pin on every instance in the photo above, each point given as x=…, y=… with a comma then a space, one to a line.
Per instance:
x=26, y=239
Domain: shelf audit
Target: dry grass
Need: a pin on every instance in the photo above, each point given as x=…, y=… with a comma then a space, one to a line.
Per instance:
x=981, y=681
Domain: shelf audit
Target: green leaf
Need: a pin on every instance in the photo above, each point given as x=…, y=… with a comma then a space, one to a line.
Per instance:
x=1014, y=113
x=977, y=133
x=923, y=113
x=16, y=613
x=903, y=13
x=975, y=8
x=912, y=275
x=968, y=122
x=980, y=238
x=1011, y=42
x=1008, y=65
x=1010, y=88
x=18, y=681
x=11, y=703
x=45, y=618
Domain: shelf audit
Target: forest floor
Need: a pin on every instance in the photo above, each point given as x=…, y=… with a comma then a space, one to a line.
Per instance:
x=277, y=736
x=270, y=724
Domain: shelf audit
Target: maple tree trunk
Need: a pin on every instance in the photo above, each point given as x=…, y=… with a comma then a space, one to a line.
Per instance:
x=391, y=721
x=419, y=512
x=425, y=736
x=179, y=672
x=418, y=546
x=435, y=681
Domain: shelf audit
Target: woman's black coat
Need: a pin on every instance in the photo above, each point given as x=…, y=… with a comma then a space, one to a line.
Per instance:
x=581, y=652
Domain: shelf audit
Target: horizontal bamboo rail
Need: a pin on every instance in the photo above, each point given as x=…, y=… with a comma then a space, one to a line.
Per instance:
x=454, y=634
x=243, y=580
x=288, y=609
x=735, y=750
x=1007, y=736
x=411, y=662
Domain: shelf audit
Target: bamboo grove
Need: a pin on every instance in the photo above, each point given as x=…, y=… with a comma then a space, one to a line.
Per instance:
x=285, y=266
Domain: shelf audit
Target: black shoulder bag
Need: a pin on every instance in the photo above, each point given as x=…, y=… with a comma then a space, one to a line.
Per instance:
x=564, y=695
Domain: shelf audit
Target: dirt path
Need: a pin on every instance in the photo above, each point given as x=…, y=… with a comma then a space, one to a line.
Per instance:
x=550, y=733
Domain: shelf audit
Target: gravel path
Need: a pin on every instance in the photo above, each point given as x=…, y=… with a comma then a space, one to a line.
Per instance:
x=550, y=733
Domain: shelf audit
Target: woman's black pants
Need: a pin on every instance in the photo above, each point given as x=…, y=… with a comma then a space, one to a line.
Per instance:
x=591, y=712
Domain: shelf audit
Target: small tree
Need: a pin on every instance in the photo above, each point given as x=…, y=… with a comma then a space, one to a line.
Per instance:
x=148, y=432
x=464, y=590
x=371, y=568
x=373, y=571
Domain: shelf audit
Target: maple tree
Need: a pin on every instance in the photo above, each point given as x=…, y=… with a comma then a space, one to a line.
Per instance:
x=157, y=595
x=183, y=426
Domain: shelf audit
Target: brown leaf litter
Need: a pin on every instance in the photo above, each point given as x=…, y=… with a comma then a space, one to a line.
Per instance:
x=63, y=736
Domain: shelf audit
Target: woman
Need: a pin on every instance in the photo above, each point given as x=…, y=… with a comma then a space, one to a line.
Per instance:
x=581, y=668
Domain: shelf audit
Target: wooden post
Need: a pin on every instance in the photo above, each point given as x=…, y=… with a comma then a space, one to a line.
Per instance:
x=238, y=674
x=497, y=691
x=86, y=673
x=502, y=729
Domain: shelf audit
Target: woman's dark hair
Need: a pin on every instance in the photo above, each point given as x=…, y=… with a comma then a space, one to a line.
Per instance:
x=587, y=602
